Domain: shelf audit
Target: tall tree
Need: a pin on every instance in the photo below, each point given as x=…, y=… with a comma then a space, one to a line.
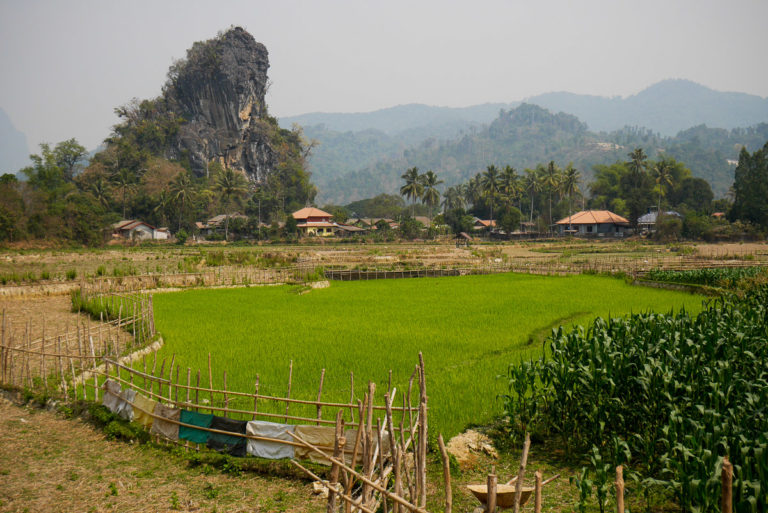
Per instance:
x=69, y=156
x=125, y=181
x=570, y=184
x=231, y=185
x=510, y=185
x=490, y=185
x=182, y=192
x=532, y=184
x=453, y=198
x=551, y=182
x=637, y=186
x=431, y=196
x=414, y=187
x=662, y=172
x=750, y=188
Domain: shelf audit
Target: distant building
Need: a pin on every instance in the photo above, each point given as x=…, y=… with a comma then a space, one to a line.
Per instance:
x=598, y=223
x=217, y=223
x=483, y=224
x=138, y=230
x=313, y=221
x=647, y=222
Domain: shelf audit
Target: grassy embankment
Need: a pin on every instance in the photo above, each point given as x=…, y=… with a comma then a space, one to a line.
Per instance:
x=469, y=329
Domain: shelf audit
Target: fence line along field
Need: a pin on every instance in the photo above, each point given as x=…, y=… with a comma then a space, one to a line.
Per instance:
x=469, y=328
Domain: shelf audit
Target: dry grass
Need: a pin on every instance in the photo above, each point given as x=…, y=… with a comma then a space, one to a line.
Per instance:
x=51, y=464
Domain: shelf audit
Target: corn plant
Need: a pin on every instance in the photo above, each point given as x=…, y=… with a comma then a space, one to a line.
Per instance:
x=681, y=391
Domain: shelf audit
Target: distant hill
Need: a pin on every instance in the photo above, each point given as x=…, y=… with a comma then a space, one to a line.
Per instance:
x=529, y=135
x=14, y=152
x=356, y=151
x=666, y=107
x=401, y=118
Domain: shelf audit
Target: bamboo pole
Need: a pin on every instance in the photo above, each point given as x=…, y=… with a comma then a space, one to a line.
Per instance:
x=210, y=380
x=95, y=375
x=319, y=394
x=256, y=397
x=226, y=397
x=491, y=491
x=197, y=389
x=351, y=395
x=290, y=379
x=3, y=350
x=337, y=451
x=365, y=480
x=521, y=472
x=446, y=475
x=43, y=376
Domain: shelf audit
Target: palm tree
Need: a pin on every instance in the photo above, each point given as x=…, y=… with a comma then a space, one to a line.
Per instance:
x=637, y=163
x=490, y=186
x=453, y=198
x=532, y=184
x=431, y=196
x=414, y=187
x=570, y=184
x=125, y=180
x=231, y=184
x=182, y=192
x=99, y=189
x=551, y=181
x=164, y=200
x=662, y=171
x=510, y=185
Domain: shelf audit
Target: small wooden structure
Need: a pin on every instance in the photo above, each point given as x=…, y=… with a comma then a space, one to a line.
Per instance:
x=463, y=239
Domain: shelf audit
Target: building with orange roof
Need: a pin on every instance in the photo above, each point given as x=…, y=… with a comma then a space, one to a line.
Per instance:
x=598, y=223
x=313, y=221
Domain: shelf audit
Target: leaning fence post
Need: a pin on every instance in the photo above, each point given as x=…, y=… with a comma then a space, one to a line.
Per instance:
x=537, y=492
x=727, y=478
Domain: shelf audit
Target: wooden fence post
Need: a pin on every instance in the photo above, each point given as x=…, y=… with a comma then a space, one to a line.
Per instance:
x=537, y=492
x=619, y=489
x=727, y=479
x=446, y=475
x=491, y=491
x=521, y=472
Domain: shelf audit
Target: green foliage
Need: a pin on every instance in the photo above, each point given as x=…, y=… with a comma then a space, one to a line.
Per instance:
x=750, y=188
x=383, y=205
x=682, y=391
x=726, y=277
x=182, y=236
x=462, y=325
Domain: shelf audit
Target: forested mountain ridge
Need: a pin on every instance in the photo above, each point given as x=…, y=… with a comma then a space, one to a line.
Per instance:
x=666, y=107
x=529, y=135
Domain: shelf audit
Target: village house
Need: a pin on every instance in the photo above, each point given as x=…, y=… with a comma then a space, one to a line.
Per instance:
x=596, y=223
x=138, y=230
x=647, y=222
x=483, y=224
x=216, y=224
x=315, y=222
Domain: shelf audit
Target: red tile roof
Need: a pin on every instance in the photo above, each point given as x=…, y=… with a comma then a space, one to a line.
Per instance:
x=594, y=217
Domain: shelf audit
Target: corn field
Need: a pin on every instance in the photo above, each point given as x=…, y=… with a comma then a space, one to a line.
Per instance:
x=726, y=277
x=669, y=395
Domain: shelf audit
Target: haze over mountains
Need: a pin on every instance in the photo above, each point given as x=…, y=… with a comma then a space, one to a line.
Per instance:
x=360, y=154
x=14, y=152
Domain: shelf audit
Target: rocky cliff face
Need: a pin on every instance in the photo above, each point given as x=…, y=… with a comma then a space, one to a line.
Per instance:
x=219, y=91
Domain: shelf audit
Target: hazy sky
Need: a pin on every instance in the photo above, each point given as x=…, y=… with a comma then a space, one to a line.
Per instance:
x=64, y=66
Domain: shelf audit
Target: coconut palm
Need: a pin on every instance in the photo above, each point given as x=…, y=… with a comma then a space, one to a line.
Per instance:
x=490, y=186
x=453, y=198
x=570, y=184
x=182, y=192
x=231, y=185
x=414, y=187
x=662, y=171
x=551, y=182
x=430, y=196
x=99, y=189
x=637, y=163
x=532, y=184
x=510, y=185
x=125, y=180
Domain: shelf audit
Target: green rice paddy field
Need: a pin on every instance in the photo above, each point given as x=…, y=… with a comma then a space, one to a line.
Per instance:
x=469, y=328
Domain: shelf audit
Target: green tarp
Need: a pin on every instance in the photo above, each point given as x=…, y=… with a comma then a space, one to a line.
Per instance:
x=196, y=419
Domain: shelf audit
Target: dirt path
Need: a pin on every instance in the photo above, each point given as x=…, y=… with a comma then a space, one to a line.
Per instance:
x=51, y=464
